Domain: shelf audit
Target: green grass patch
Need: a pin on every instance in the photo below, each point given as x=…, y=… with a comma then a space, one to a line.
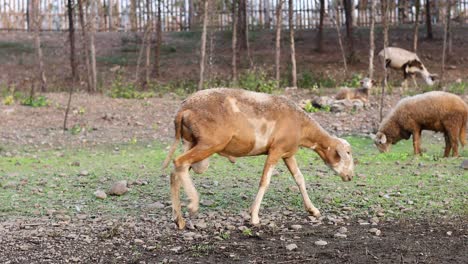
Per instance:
x=396, y=183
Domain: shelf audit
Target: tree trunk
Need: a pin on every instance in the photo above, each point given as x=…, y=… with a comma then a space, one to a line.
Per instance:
x=149, y=21
x=416, y=25
x=133, y=15
x=279, y=22
x=92, y=47
x=320, y=29
x=203, y=44
x=348, y=7
x=337, y=24
x=234, y=42
x=191, y=14
x=266, y=7
x=144, y=43
x=71, y=30
x=293, y=50
x=371, y=41
x=444, y=47
x=242, y=22
x=37, y=43
x=429, y=20
x=451, y=3
x=384, y=86
x=157, y=51
x=84, y=33
x=109, y=13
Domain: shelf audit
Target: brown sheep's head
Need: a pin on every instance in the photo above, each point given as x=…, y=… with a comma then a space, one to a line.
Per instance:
x=339, y=158
x=382, y=143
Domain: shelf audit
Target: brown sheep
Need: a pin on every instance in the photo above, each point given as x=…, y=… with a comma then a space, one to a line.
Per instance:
x=238, y=123
x=437, y=111
x=361, y=93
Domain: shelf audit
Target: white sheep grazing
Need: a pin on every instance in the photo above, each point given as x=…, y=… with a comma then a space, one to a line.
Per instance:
x=237, y=123
x=408, y=62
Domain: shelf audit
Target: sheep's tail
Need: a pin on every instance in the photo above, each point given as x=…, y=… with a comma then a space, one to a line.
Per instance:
x=178, y=134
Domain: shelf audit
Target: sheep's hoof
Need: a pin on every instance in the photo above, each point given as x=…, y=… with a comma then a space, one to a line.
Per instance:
x=255, y=221
x=193, y=208
x=180, y=222
x=314, y=212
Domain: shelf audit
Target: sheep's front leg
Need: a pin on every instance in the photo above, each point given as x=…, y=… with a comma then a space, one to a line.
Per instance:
x=175, y=197
x=296, y=173
x=263, y=186
x=417, y=141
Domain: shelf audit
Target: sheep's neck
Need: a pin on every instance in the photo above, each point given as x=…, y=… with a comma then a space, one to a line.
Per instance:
x=314, y=136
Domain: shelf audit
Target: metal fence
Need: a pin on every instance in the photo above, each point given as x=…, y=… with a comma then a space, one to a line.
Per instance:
x=184, y=15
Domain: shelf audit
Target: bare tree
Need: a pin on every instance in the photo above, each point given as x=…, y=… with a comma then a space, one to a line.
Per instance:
x=84, y=35
x=242, y=25
x=203, y=44
x=110, y=14
x=320, y=29
x=293, y=50
x=144, y=44
x=279, y=23
x=133, y=15
x=266, y=7
x=157, y=50
x=429, y=20
x=337, y=24
x=444, y=48
x=234, y=41
x=384, y=63
x=371, y=41
x=416, y=25
x=348, y=7
x=92, y=48
x=37, y=43
x=71, y=35
x=452, y=3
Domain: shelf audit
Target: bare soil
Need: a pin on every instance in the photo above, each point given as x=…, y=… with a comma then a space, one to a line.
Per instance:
x=154, y=239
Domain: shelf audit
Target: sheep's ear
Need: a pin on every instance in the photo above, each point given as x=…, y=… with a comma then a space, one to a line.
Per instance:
x=434, y=77
x=373, y=136
x=373, y=82
x=383, y=139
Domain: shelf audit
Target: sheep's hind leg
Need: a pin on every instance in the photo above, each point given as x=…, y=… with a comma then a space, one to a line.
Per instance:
x=296, y=173
x=198, y=167
x=448, y=146
x=175, y=197
x=263, y=186
x=417, y=141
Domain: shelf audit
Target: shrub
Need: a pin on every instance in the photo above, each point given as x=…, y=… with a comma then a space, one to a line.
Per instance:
x=38, y=101
x=257, y=80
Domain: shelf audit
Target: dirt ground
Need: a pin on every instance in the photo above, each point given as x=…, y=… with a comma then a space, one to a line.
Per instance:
x=154, y=239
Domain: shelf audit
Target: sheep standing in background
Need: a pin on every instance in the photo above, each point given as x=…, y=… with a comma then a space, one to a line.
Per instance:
x=408, y=62
x=238, y=123
x=361, y=93
x=437, y=111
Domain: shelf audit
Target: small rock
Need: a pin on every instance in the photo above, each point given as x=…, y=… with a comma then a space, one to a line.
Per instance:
x=207, y=202
x=375, y=231
x=449, y=233
x=10, y=185
x=201, y=225
x=176, y=249
x=156, y=205
x=464, y=164
x=320, y=243
x=76, y=163
x=138, y=241
x=296, y=227
x=342, y=230
x=340, y=235
x=118, y=188
x=84, y=173
x=291, y=247
x=100, y=194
